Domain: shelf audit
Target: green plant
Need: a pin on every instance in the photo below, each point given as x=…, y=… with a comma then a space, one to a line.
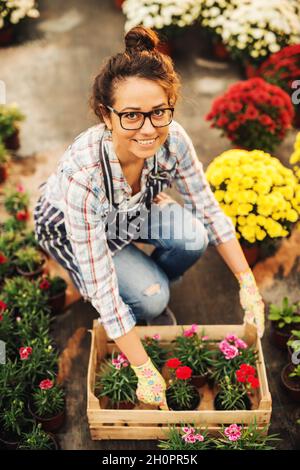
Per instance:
x=180, y=393
x=10, y=242
x=155, y=351
x=285, y=315
x=231, y=395
x=4, y=155
x=193, y=351
x=13, y=418
x=15, y=200
x=296, y=372
x=185, y=438
x=38, y=359
x=242, y=437
x=26, y=298
x=28, y=259
x=36, y=439
x=116, y=380
x=52, y=286
x=6, y=328
x=11, y=383
x=48, y=400
x=10, y=116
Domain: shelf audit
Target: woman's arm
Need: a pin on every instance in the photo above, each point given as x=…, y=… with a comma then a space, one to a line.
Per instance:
x=233, y=256
x=130, y=344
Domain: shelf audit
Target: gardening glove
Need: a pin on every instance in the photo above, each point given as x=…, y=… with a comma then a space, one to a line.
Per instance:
x=151, y=387
x=251, y=301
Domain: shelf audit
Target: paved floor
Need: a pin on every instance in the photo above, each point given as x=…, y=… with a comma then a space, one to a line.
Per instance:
x=49, y=72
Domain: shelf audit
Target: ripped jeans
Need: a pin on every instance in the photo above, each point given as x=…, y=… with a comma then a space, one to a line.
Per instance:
x=144, y=281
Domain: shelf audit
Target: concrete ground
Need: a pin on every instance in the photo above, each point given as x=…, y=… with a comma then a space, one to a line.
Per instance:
x=49, y=72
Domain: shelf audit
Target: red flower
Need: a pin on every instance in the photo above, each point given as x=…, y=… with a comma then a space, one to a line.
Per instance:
x=22, y=215
x=3, y=305
x=3, y=258
x=246, y=374
x=25, y=352
x=248, y=369
x=173, y=363
x=46, y=384
x=253, y=381
x=183, y=373
x=1, y=317
x=45, y=284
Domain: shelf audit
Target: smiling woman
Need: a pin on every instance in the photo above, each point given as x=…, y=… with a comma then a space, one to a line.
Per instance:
x=108, y=191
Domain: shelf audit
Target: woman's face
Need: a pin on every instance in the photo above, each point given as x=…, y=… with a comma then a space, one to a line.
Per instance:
x=137, y=94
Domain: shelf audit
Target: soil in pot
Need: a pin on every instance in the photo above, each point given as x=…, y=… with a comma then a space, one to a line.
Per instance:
x=291, y=384
x=51, y=424
x=280, y=336
x=218, y=404
x=194, y=402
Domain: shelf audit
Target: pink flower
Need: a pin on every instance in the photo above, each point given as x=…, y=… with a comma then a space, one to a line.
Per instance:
x=156, y=337
x=18, y=319
x=199, y=437
x=233, y=432
x=188, y=430
x=191, y=331
x=240, y=344
x=116, y=363
x=231, y=338
x=228, y=350
x=205, y=338
x=190, y=436
x=46, y=384
x=25, y=352
x=20, y=188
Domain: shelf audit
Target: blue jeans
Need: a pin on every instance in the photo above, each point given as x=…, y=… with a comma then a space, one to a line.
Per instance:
x=144, y=280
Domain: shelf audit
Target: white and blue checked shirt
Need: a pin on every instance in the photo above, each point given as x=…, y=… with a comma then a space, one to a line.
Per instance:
x=77, y=189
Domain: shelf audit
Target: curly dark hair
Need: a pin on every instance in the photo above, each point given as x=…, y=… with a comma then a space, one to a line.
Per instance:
x=141, y=58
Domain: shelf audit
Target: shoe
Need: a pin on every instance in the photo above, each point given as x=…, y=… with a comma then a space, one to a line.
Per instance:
x=167, y=317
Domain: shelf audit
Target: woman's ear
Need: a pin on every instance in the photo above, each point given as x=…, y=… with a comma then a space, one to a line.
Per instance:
x=106, y=116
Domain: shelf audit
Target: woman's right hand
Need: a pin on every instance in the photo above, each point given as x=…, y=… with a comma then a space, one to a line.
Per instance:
x=151, y=387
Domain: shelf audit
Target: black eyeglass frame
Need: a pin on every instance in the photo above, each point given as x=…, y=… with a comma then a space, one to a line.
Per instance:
x=145, y=114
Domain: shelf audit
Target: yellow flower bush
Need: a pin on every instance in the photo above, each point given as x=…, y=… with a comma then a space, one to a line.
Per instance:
x=261, y=196
x=295, y=157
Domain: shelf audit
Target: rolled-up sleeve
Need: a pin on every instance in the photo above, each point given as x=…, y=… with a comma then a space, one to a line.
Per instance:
x=192, y=184
x=86, y=232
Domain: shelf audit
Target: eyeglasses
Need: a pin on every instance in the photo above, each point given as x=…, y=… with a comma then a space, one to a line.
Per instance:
x=134, y=120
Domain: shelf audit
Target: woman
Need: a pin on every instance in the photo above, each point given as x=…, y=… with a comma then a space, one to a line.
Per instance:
x=107, y=192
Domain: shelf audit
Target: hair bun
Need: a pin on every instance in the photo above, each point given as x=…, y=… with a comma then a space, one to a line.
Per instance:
x=140, y=39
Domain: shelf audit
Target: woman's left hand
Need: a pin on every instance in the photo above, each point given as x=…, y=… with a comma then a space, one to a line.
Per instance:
x=251, y=301
x=162, y=199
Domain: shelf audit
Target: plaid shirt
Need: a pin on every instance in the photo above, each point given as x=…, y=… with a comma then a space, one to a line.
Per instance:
x=77, y=188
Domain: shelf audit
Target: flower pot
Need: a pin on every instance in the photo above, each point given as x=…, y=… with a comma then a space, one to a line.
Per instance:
x=251, y=253
x=34, y=274
x=122, y=405
x=57, y=302
x=280, y=336
x=218, y=405
x=220, y=51
x=6, y=35
x=174, y=406
x=199, y=380
x=13, y=141
x=51, y=424
x=9, y=442
x=291, y=384
x=3, y=174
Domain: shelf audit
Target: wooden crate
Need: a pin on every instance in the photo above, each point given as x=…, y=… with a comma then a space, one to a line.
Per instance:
x=146, y=422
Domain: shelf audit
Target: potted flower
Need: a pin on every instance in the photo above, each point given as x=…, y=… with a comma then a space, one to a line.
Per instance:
x=232, y=352
x=258, y=193
x=55, y=289
x=168, y=19
x=241, y=437
x=282, y=69
x=253, y=114
x=11, y=13
x=295, y=159
x=231, y=396
x=4, y=159
x=293, y=343
x=6, y=328
x=155, y=351
x=47, y=405
x=10, y=118
x=37, y=358
x=185, y=438
x=290, y=379
x=29, y=262
x=37, y=439
x=117, y=381
x=13, y=422
x=284, y=318
x=251, y=36
x=180, y=393
x=16, y=201
x=192, y=350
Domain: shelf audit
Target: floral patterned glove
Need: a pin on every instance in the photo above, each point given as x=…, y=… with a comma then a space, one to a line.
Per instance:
x=151, y=387
x=251, y=301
